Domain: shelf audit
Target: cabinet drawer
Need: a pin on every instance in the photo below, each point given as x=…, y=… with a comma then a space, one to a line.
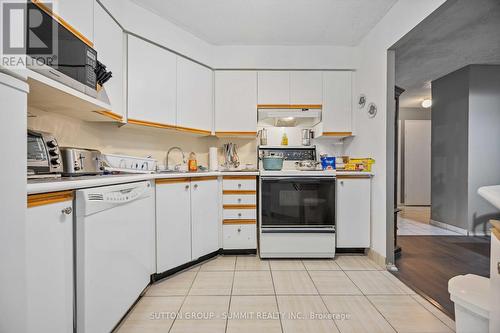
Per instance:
x=240, y=214
x=240, y=236
x=243, y=199
x=242, y=184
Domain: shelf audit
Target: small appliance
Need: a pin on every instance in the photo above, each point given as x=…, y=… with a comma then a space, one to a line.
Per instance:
x=307, y=135
x=79, y=161
x=73, y=60
x=43, y=155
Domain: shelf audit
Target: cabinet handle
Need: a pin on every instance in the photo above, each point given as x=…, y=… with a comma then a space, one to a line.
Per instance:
x=239, y=199
x=341, y=182
x=239, y=229
x=239, y=185
x=187, y=187
x=239, y=214
x=67, y=211
x=195, y=186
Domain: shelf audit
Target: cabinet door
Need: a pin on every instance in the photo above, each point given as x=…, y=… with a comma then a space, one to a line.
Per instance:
x=49, y=262
x=108, y=42
x=337, y=101
x=77, y=14
x=235, y=101
x=353, y=213
x=273, y=87
x=173, y=225
x=194, y=95
x=151, y=82
x=306, y=87
x=205, y=207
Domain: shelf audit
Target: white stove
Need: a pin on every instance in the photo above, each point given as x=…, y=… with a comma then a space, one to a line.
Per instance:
x=296, y=208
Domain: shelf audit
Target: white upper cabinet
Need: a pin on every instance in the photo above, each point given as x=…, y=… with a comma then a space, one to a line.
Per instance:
x=274, y=87
x=235, y=101
x=78, y=14
x=109, y=44
x=337, y=102
x=152, y=73
x=194, y=96
x=306, y=87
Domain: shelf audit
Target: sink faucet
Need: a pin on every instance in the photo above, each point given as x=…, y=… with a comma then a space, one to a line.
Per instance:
x=170, y=150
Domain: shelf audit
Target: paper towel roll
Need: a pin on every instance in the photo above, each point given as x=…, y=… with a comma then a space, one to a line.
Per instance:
x=213, y=159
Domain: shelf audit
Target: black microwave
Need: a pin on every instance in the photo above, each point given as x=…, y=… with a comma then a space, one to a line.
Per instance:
x=57, y=50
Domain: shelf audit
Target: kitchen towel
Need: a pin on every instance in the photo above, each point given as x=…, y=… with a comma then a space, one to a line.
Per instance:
x=213, y=159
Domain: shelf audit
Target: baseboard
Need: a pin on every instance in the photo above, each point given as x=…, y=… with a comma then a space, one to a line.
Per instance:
x=449, y=227
x=377, y=257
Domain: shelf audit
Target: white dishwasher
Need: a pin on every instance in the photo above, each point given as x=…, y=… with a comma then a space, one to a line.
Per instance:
x=114, y=252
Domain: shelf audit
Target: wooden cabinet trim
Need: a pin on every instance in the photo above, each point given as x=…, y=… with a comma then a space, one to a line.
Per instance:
x=289, y=106
x=42, y=199
x=149, y=123
x=199, y=179
x=61, y=21
x=240, y=177
x=110, y=114
x=172, y=180
x=337, y=133
x=239, y=206
x=239, y=192
x=193, y=130
x=496, y=228
x=247, y=221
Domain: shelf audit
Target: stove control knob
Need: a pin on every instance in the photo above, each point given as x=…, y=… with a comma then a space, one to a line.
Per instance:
x=53, y=152
x=52, y=143
x=55, y=161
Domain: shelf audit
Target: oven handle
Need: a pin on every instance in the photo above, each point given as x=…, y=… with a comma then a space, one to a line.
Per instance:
x=298, y=231
x=300, y=179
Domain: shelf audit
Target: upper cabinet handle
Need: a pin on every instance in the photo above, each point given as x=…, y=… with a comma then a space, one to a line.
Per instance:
x=239, y=185
x=195, y=185
x=67, y=211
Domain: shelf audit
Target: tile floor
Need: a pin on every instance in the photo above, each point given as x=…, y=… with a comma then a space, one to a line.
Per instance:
x=246, y=294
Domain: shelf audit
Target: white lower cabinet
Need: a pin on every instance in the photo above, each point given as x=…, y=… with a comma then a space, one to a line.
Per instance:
x=353, y=212
x=239, y=236
x=205, y=207
x=49, y=262
x=173, y=224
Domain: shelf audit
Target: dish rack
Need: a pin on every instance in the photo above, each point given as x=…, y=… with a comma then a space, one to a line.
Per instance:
x=128, y=164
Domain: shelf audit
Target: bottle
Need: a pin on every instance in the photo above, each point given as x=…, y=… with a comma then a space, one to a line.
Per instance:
x=192, y=164
x=284, y=140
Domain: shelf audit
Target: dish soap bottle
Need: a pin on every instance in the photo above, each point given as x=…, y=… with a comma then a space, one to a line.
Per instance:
x=284, y=140
x=192, y=164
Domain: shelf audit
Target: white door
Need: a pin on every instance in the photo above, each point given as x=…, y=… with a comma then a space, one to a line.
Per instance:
x=49, y=262
x=353, y=213
x=417, y=162
x=152, y=82
x=173, y=225
x=273, y=87
x=194, y=95
x=337, y=101
x=235, y=101
x=306, y=87
x=109, y=43
x=205, y=207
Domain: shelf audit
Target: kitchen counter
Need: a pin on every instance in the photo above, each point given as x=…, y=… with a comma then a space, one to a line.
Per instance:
x=73, y=183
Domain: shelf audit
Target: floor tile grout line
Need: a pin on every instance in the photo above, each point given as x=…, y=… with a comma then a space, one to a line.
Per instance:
x=322, y=300
x=231, y=294
x=276, y=299
x=185, y=297
x=380, y=312
x=415, y=295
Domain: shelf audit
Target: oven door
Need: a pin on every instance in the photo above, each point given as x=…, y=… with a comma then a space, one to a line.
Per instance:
x=297, y=202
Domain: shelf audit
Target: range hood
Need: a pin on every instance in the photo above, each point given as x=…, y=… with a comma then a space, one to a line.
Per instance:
x=289, y=115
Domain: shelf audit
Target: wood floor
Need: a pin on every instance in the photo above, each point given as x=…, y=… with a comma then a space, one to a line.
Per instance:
x=428, y=262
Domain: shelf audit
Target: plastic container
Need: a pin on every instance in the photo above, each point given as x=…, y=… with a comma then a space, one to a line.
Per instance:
x=272, y=163
x=192, y=164
x=328, y=163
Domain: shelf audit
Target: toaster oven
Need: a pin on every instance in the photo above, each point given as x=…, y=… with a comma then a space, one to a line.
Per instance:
x=43, y=154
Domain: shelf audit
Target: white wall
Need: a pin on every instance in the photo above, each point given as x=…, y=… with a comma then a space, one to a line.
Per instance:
x=371, y=79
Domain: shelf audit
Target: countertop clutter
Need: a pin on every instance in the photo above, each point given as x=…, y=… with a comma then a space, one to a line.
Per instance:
x=72, y=183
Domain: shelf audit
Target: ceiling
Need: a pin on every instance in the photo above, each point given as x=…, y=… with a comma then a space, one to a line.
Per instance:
x=273, y=22
x=459, y=33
